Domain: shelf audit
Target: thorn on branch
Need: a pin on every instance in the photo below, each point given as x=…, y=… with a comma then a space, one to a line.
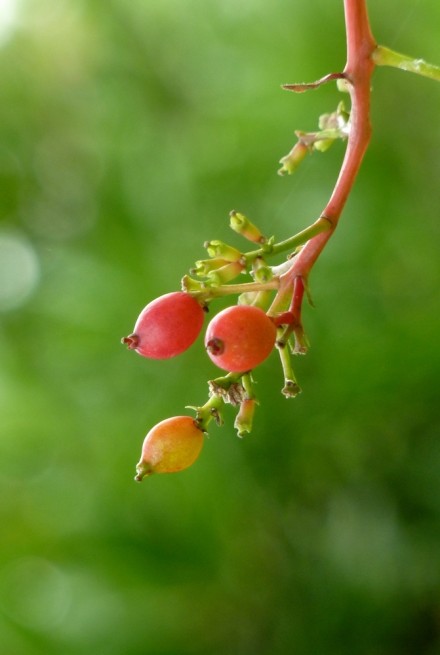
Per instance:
x=307, y=86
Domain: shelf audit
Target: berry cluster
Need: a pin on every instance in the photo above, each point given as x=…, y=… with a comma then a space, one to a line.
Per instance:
x=237, y=339
x=268, y=313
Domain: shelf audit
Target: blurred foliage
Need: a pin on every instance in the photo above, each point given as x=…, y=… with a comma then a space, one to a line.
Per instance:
x=128, y=131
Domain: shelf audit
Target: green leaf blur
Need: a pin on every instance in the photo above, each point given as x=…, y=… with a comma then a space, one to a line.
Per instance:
x=128, y=131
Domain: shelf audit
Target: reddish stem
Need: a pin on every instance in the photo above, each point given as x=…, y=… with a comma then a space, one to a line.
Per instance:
x=291, y=319
x=358, y=71
x=297, y=298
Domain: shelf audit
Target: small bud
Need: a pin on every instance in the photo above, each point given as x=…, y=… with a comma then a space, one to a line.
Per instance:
x=242, y=225
x=204, y=266
x=190, y=285
x=343, y=85
x=343, y=115
x=322, y=145
x=293, y=159
x=326, y=121
x=225, y=273
x=267, y=247
x=262, y=273
x=337, y=120
x=301, y=341
x=220, y=249
x=244, y=418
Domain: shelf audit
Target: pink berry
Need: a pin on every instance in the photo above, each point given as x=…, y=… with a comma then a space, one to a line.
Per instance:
x=167, y=326
x=239, y=338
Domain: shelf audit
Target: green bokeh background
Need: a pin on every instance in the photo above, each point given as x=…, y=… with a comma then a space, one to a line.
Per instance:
x=128, y=131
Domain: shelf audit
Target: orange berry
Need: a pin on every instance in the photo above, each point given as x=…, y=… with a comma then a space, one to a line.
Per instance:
x=170, y=446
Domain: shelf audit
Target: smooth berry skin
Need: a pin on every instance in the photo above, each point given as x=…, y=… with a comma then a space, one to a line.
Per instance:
x=170, y=446
x=239, y=338
x=167, y=326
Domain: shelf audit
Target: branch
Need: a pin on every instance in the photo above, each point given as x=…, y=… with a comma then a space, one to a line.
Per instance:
x=357, y=72
x=385, y=57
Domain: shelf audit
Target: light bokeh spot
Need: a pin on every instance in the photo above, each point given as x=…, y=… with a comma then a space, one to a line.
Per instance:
x=8, y=19
x=19, y=271
x=35, y=593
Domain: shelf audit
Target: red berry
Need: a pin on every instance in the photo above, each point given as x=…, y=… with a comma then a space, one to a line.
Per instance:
x=171, y=446
x=167, y=326
x=239, y=338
